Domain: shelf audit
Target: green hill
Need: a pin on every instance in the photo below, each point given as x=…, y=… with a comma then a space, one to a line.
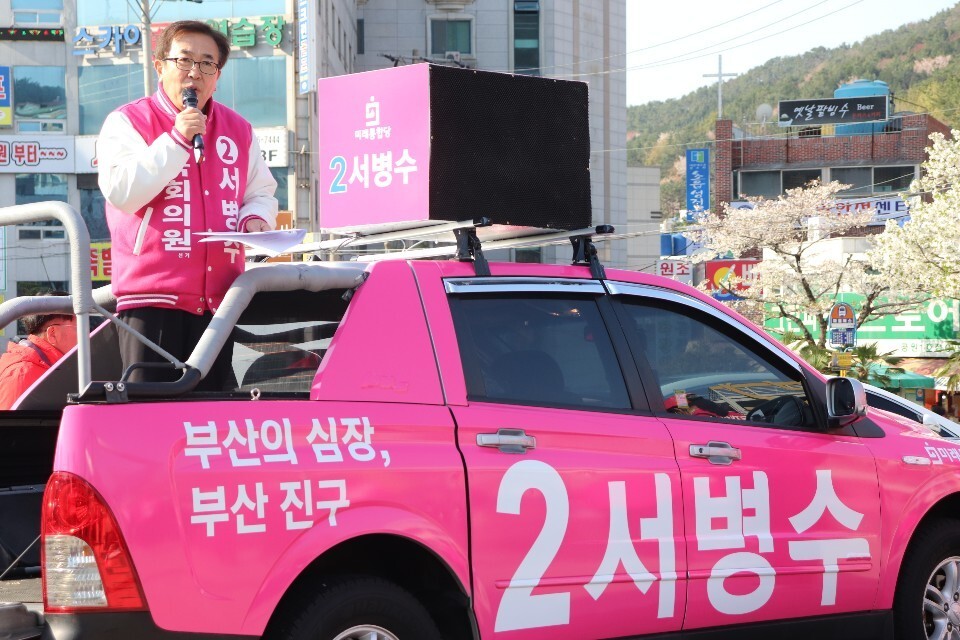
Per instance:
x=919, y=61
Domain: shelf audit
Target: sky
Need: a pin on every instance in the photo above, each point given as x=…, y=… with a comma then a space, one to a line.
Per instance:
x=671, y=44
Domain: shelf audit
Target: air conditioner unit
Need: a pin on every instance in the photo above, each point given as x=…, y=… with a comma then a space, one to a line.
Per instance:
x=452, y=55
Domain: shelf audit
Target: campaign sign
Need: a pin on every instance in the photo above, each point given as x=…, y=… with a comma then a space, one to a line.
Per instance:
x=374, y=133
x=407, y=146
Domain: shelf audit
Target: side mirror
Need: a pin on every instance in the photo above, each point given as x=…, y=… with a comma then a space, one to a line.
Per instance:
x=846, y=401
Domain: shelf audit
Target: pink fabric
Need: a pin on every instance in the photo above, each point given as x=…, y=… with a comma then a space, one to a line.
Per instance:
x=163, y=264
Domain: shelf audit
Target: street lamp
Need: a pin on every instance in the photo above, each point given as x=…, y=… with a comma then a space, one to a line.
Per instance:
x=148, y=75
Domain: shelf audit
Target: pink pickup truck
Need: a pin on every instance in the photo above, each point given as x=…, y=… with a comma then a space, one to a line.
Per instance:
x=412, y=451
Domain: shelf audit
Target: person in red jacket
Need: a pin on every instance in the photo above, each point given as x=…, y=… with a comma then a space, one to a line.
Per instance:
x=50, y=336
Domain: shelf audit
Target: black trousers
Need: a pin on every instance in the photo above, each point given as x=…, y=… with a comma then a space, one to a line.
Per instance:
x=178, y=333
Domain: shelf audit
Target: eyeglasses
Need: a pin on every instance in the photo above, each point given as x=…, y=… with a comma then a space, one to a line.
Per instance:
x=186, y=64
x=63, y=324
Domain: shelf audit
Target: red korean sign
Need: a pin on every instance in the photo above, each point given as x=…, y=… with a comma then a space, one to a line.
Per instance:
x=726, y=276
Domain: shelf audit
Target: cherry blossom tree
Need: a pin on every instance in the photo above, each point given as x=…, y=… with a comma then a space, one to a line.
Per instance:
x=924, y=254
x=810, y=253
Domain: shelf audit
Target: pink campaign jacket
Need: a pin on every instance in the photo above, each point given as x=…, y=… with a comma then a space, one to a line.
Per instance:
x=158, y=260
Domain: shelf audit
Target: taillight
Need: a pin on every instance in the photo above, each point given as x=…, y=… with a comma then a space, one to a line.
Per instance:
x=86, y=564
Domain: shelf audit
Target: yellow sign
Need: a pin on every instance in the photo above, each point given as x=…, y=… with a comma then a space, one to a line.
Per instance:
x=101, y=265
x=844, y=360
x=6, y=116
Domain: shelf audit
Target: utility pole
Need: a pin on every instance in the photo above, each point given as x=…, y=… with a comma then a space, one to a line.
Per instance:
x=719, y=75
x=145, y=35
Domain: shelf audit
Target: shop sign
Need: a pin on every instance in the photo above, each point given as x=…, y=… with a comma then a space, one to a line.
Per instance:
x=698, y=180
x=923, y=333
x=307, y=45
x=6, y=115
x=679, y=270
x=816, y=112
x=885, y=208
x=108, y=36
x=101, y=262
x=724, y=277
x=36, y=154
x=86, y=154
x=274, y=145
x=241, y=32
x=35, y=35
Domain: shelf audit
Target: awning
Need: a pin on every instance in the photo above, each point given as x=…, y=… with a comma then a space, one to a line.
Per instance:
x=902, y=379
x=926, y=367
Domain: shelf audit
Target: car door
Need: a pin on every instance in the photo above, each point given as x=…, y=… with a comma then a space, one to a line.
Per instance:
x=782, y=516
x=575, y=515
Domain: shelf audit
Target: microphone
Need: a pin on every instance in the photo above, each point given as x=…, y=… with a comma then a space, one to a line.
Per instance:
x=190, y=100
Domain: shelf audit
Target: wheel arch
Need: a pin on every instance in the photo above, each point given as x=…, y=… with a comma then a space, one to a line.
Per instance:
x=401, y=560
x=946, y=507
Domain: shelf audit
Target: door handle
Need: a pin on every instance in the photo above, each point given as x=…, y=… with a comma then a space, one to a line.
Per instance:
x=715, y=452
x=508, y=440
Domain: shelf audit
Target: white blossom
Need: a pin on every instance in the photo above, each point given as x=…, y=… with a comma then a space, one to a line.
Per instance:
x=924, y=254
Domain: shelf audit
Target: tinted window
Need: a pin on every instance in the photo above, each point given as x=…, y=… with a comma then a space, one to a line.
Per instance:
x=282, y=337
x=543, y=351
x=886, y=404
x=701, y=370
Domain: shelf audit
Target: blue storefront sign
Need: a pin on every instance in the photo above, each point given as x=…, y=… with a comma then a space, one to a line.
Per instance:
x=6, y=115
x=698, y=180
x=306, y=46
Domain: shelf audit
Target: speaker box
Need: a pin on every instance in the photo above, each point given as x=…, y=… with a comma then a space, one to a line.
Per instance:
x=427, y=143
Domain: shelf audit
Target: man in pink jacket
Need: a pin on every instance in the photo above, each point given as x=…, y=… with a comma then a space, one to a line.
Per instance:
x=49, y=337
x=161, y=192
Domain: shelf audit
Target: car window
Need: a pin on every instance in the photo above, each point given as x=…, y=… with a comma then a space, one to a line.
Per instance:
x=538, y=350
x=880, y=402
x=281, y=339
x=704, y=369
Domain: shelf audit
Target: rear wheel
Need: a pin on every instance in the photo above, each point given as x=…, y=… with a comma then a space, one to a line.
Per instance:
x=361, y=609
x=927, y=602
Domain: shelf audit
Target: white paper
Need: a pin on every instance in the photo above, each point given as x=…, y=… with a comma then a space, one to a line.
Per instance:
x=269, y=242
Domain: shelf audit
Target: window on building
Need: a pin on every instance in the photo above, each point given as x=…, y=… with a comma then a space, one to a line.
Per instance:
x=860, y=180
x=892, y=178
x=264, y=102
x=450, y=35
x=282, y=194
x=37, y=13
x=103, y=88
x=360, y=36
x=526, y=37
x=799, y=178
x=760, y=183
x=93, y=206
x=40, y=187
x=39, y=99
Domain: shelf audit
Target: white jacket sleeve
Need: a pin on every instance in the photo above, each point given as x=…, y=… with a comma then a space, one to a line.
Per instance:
x=131, y=172
x=258, y=200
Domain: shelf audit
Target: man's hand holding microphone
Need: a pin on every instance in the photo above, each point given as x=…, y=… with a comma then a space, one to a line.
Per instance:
x=191, y=122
